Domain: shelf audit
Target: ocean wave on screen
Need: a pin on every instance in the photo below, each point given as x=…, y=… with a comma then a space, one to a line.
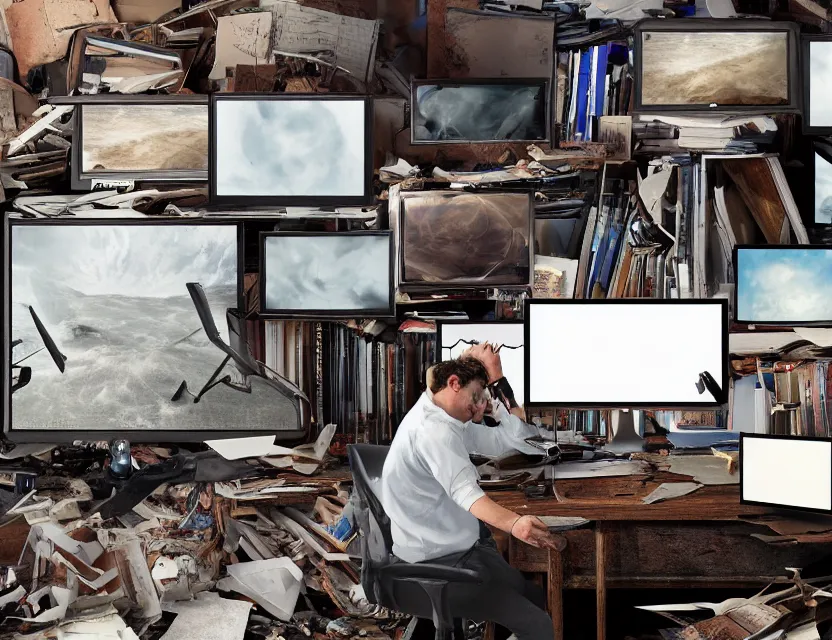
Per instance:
x=131, y=260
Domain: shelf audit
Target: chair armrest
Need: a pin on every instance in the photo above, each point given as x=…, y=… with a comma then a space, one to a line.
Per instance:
x=425, y=571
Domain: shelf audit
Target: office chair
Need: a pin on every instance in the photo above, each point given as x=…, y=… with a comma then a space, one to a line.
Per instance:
x=418, y=589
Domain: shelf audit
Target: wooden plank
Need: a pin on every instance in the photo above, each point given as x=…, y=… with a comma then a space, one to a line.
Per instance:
x=601, y=580
x=602, y=499
x=555, y=591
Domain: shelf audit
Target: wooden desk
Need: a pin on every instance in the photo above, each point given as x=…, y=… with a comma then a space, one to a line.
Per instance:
x=698, y=540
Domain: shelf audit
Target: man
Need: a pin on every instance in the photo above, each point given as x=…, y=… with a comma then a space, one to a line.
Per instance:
x=430, y=492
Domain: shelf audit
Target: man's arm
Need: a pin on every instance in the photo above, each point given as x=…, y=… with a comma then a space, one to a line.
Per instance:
x=529, y=529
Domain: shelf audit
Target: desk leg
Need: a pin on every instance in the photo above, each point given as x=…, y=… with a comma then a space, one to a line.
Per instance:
x=601, y=579
x=555, y=589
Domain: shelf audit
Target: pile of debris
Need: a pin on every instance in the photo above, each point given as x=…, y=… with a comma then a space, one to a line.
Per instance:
x=270, y=554
x=790, y=613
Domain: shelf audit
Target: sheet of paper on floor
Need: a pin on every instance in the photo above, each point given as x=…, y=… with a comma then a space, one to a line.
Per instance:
x=274, y=584
x=670, y=490
x=308, y=30
x=808, y=631
x=708, y=470
x=573, y=470
x=208, y=617
x=242, y=38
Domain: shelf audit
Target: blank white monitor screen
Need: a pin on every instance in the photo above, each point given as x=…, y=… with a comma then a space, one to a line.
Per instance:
x=632, y=354
x=787, y=471
x=457, y=336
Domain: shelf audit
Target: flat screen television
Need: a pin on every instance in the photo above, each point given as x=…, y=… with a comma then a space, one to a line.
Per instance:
x=820, y=167
x=458, y=240
x=291, y=149
x=326, y=275
x=786, y=285
x=789, y=472
x=117, y=327
x=479, y=111
x=141, y=138
x=453, y=337
x=716, y=65
x=626, y=353
x=817, y=91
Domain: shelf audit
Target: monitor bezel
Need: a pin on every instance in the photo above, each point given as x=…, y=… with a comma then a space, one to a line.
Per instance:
x=724, y=380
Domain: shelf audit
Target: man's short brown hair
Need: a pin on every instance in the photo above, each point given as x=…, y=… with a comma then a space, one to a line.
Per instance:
x=466, y=369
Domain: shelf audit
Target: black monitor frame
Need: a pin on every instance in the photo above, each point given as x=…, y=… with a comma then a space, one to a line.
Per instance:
x=543, y=83
x=723, y=381
x=367, y=198
x=711, y=25
x=768, y=436
x=149, y=435
x=779, y=323
x=325, y=314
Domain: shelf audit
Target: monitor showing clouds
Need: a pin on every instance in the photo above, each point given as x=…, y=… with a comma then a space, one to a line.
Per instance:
x=290, y=148
x=820, y=90
x=787, y=286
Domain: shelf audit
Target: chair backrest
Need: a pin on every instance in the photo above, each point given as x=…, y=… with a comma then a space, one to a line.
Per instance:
x=366, y=464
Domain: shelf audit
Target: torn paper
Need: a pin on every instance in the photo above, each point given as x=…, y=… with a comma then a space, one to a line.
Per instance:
x=670, y=490
x=242, y=38
x=349, y=43
x=208, y=617
x=273, y=584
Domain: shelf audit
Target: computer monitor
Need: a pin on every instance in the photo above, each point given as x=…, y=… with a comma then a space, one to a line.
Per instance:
x=626, y=353
x=117, y=328
x=788, y=472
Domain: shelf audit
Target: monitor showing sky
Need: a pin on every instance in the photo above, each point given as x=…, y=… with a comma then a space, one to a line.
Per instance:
x=784, y=285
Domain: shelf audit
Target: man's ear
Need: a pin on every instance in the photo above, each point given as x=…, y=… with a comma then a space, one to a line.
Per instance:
x=453, y=383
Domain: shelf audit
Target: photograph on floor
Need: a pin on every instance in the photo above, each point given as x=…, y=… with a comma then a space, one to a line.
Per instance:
x=290, y=148
x=327, y=273
x=473, y=112
x=466, y=238
x=714, y=67
x=114, y=299
x=135, y=138
x=784, y=285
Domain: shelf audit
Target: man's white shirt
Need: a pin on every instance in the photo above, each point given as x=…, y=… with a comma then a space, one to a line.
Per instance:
x=429, y=482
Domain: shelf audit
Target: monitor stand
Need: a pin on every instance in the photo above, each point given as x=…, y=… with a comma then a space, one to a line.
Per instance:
x=624, y=437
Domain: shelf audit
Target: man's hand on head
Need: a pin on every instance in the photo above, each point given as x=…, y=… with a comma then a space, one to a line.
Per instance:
x=486, y=354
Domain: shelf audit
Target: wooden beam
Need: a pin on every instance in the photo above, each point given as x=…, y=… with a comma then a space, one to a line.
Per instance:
x=555, y=589
x=601, y=580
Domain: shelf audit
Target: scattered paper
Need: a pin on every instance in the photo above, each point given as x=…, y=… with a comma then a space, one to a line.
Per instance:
x=820, y=337
x=242, y=38
x=563, y=523
x=808, y=631
x=208, y=617
x=273, y=584
x=708, y=470
x=48, y=116
x=349, y=43
x=622, y=9
x=669, y=490
x=239, y=448
x=86, y=552
x=651, y=191
x=603, y=468
x=61, y=599
x=23, y=450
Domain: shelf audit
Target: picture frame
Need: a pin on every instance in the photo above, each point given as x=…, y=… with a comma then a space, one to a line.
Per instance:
x=745, y=438
x=399, y=217
x=791, y=101
x=218, y=193
x=721, y=378
x=759, y=249
x=266, y=312
x=819, y=187
x=807, y=43
x=98, y=332
x=543, y=84
x=85, y=180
